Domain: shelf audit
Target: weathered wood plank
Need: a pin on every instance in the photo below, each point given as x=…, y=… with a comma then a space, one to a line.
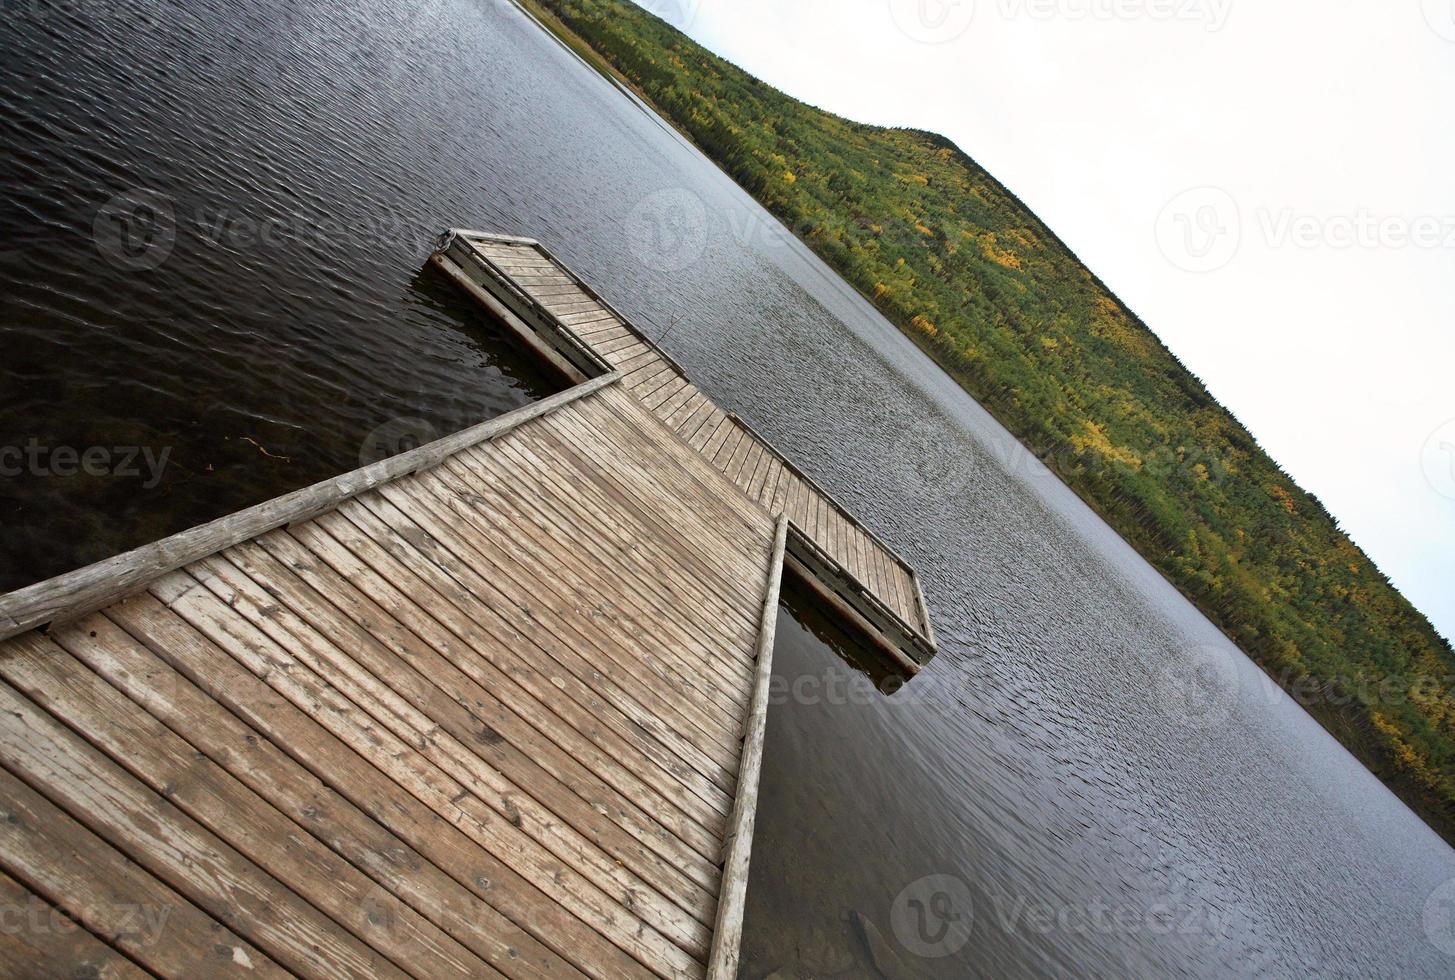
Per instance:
x=733, y=460
x=248, y=754
x=689, y=425
x=650, y=372
x=650, y=387
x=666, y=499
x=668, y=579
x=543, y=278
x=725, y=445
x=524, y=650
x=727, y=936
x=162, y=761
x=871, y=574
x=686, y=413
x=175, y=848
x=636, y=596
x=416, y=771
x=640, y=365
x=692, y=545
x=894, y=590
x=538, y=928
x=671, y=387
x=740, y=470
x=618, y=348
x=40, y=940
x=495, y=699
x=636, y=419
x=598, y=320
x=485, y=574
x=512, y=824
x=541, y=292
x=77, y=871
x=441, y=694
x=557, y=585
x=563, y=305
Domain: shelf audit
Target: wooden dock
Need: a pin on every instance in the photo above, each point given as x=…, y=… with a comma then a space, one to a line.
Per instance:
x=493, y=707
x=582, y=336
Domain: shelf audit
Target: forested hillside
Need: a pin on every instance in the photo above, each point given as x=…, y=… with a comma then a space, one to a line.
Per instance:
x=967, y=271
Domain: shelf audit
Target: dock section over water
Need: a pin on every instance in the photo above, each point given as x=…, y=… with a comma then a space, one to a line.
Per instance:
x=583, y=336
x=491, y=708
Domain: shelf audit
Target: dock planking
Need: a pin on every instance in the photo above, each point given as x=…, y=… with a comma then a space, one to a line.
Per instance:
x=555, y=311
x=493, y=707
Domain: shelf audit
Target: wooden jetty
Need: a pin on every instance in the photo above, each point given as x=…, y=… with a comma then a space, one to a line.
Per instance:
x=583, y=337
x=493, y=707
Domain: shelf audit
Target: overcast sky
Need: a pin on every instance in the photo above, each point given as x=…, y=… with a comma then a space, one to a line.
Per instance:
x=1270, y=185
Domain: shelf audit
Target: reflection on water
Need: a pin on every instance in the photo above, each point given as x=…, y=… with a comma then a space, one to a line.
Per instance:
x=294, y=159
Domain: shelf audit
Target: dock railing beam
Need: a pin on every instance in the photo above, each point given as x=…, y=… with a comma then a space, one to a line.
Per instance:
x=85, y=590
x=727, y=936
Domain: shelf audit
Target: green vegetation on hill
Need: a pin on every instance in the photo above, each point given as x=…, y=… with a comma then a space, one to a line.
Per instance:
x=967, y=271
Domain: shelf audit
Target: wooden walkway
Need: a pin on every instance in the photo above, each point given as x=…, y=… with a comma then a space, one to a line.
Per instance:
x=493, y=707
x=581, y=335
x=486, y=719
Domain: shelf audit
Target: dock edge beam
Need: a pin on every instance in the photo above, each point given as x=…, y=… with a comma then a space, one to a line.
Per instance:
x=727, y=936
x=87, y=589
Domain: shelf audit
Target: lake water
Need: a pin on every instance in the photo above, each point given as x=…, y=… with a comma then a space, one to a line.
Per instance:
x=216, y=215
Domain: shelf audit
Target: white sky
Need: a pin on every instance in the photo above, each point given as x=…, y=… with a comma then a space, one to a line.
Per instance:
x=1322, y=242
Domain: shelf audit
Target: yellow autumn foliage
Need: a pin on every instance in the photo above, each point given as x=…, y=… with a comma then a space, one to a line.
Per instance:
x=1094, y=439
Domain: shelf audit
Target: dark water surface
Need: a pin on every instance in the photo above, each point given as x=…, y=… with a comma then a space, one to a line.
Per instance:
x=215, y=217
